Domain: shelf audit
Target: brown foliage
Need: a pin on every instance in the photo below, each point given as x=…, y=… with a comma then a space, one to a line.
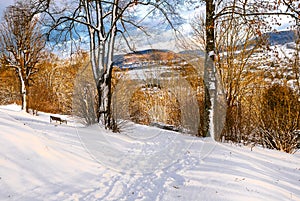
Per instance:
x=279, y=118
x=154, y=104
x=9, y=87
x=163, y=96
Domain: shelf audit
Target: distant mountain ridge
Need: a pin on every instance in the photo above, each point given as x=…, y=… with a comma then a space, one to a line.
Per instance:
x=280, y=37
x=122, y=59
x=193, y=52
x=273, y=38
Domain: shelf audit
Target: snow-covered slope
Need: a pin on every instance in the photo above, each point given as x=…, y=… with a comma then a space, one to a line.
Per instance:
x=43, y=161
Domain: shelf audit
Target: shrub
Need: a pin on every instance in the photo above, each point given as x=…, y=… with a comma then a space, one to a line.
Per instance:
x=279, y=118
x=9, y=88
x=85, y=98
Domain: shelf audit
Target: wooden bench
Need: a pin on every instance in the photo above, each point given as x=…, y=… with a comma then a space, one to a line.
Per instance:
x=166, y=127
x=57, y=119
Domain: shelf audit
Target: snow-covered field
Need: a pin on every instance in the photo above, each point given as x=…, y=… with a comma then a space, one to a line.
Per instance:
x=48, y=161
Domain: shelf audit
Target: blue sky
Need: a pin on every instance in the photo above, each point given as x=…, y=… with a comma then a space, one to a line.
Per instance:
x=4, y=4
x=162, y=40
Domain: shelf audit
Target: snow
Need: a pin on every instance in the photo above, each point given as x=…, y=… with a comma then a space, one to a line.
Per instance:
x=48, y=161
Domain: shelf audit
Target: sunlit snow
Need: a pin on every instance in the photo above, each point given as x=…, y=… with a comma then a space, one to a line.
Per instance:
x=48, y=161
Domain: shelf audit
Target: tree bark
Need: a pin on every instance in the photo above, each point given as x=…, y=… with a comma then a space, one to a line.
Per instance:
x=104, y=97
x=23, y=90
x=104, y=84
x=209, y=68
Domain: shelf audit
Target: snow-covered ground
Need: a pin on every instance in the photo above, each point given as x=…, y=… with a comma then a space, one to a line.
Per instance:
x=48, y=161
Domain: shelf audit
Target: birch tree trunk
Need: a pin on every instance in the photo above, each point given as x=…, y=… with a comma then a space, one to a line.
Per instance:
x=103, y=20
x=104, y=85
x=209, y=68
x=104, y=97
x=23, y=91
x=101, y=58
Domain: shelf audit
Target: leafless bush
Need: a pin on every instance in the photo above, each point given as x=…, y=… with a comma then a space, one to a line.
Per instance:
x=85, y=98
x=160, y=96
x=121, y=91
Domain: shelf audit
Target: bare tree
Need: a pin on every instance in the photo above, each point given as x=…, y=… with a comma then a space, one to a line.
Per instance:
x=253, y=12
x=104, y=21
x=21, y=43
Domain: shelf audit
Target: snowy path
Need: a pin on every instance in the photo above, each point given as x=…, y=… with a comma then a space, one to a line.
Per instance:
x=43, y=161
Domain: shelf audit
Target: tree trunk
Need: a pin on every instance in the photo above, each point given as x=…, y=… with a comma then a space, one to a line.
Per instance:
x=209, y=68
x=104, y=98
x=104, y=85
x=24, y=98
x=23, y=90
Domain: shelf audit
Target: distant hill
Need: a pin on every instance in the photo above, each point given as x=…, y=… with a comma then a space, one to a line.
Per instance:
x=193, y=52
x=149, y=51
x=118, y=59
x=280, y=37
x=154, y=55
x=274, y=38
x=143, y=56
